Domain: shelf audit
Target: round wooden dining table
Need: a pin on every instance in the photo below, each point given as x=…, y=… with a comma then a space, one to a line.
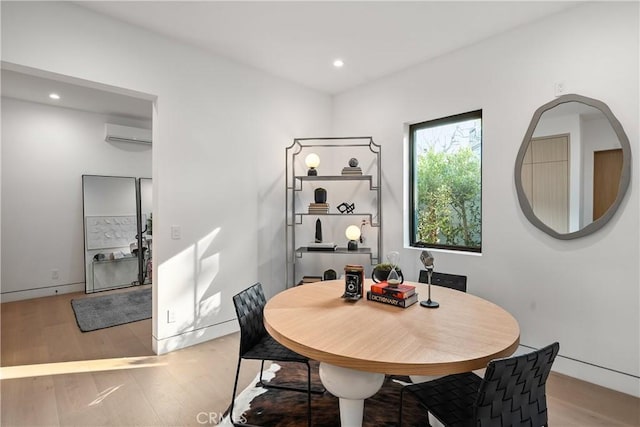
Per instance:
x=358, y=342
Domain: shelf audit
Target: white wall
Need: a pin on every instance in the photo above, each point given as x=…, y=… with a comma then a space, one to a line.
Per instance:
x=585, y=292
x=220, y=130
x=45, y=152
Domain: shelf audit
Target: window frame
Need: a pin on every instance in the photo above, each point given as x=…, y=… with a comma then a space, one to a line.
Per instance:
x=412, y=212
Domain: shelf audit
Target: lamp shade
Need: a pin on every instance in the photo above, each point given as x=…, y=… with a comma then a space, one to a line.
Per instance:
x=312, y=160
x=352, y=232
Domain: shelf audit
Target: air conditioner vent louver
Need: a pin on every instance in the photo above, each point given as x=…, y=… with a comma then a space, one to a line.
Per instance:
x=118, y=133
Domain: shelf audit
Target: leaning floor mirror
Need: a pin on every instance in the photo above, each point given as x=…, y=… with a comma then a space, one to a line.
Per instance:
x=573, y=168
x=111, y=228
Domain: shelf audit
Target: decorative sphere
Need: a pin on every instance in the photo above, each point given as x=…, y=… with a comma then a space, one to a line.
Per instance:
x=352, y=232
x=353, y=162
x=312, y=160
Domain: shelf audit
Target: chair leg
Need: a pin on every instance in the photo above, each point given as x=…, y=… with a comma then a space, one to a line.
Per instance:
x=235, y=389
x=308, y=395
x=400, y=413
x=261, y=371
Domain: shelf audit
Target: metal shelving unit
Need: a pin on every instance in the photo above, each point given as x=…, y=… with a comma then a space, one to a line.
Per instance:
x=296, y=178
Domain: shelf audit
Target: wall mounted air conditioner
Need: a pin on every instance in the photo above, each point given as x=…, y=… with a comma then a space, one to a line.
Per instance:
x=117, y=133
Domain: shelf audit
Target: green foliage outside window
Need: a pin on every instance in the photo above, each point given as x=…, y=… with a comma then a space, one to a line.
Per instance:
x=447, y=184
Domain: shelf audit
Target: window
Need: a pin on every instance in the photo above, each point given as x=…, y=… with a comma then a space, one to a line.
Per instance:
x=445, y=183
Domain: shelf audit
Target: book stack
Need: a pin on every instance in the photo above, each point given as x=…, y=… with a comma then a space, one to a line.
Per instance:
x=399, y=295
x=318, y=208
x=351, y=170
x=322, y=246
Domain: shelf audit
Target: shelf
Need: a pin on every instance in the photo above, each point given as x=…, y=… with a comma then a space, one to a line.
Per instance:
x=335, y=214
x=359, y=251
x=108, y=261
x=334, y=177
x=299, y=179
x=367, y=186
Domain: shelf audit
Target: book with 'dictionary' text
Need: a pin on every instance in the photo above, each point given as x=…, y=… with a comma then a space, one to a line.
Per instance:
x=398, y=302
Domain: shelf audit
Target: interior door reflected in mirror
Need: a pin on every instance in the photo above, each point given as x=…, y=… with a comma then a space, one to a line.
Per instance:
x=573, y=167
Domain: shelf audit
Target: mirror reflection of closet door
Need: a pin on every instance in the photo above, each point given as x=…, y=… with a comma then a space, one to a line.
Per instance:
x=110, y=224
x=146, y=206
x=545, y=180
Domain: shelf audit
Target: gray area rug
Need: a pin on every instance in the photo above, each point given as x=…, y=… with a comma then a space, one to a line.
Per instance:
x=93, y=313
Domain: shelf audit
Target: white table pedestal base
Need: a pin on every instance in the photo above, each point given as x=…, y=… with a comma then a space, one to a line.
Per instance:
x=351, y=387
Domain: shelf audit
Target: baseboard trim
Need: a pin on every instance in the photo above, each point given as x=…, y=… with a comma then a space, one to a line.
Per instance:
x=189, y=338
x=585, y=371
x=41, y=292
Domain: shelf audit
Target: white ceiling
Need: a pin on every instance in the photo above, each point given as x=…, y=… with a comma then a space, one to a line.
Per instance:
x=296, y=40
x=36, y=88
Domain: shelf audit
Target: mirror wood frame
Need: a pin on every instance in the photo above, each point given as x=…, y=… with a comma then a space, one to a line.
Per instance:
x=625, y=176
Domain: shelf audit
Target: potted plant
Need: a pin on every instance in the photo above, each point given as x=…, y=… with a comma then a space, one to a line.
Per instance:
x=382, y=270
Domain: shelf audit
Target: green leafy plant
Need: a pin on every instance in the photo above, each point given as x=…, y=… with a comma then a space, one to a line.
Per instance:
x=449, y=205
x=385, y=267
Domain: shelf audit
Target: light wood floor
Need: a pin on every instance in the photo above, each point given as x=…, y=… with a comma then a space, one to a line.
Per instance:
x=54, y=375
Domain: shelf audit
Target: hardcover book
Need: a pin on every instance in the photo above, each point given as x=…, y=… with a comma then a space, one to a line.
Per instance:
x=323, y=246
x=398, y=302
x=400, y=291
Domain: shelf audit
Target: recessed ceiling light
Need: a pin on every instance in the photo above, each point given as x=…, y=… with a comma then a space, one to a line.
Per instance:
x=338, y=63
x=54, y=96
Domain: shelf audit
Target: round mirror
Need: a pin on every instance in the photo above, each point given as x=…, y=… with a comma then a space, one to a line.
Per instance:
x=573, y=168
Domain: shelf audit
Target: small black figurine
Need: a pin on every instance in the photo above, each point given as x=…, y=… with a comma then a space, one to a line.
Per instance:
x=318, y=231
x=320, y=195
x=345, y=207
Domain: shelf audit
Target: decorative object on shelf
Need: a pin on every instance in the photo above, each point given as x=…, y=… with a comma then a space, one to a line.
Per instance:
x=353, y=234
x=320, y=195
x=427, y=260
x=353, y=280
x=312, y=161
x=318, y=231
x=345, y=207
x=322, y=247
x=353, y=168
x=330, y=274
x=362, y=224
x=318, y=208
x=394, y=279
x=381, y=272
x=320, y=198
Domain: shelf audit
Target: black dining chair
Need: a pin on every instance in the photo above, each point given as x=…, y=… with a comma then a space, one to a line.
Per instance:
x=452, y=281
x=257, y=344
x=512, y=393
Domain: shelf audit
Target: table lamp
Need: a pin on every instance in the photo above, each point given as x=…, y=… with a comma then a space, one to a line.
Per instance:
x=353, y=234
x=312, y=161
